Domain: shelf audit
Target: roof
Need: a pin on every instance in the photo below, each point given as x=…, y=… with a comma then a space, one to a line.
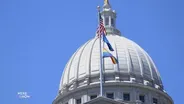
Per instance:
x=134, y=65
x=103, y=100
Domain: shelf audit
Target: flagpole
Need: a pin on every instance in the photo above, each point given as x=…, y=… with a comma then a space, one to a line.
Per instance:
x=101, y=56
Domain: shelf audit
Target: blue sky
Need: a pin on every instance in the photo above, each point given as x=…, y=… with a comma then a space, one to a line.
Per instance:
x=37, y=38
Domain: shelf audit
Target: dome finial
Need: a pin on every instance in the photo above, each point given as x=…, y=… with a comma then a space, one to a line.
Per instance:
x=106, y=2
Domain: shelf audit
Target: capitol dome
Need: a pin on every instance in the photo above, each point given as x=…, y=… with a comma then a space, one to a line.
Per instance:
x=134, y=79
x=134, y=64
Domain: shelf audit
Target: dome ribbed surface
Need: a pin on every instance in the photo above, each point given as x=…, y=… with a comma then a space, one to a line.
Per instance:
x=133, y=62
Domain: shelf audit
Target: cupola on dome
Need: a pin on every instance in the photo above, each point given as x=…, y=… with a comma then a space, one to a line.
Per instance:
x=89, y=78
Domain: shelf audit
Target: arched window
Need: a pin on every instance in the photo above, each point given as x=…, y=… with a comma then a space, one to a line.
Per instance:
x=112, y=22
x=106, y=21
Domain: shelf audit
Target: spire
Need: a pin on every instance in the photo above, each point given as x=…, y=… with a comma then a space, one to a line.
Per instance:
x=107, y=4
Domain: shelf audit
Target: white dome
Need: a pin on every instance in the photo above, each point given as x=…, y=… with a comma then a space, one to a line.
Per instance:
x=134, y=65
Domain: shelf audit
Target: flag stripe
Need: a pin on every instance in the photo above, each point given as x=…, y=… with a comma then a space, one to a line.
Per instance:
x=113, y=60
x=108, y=54
x=101, y=28
x=107, y=42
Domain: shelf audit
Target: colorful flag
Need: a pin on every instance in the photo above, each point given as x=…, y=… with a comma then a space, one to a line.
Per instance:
x=107, y=54
x=107, y=42
x=101, y=31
